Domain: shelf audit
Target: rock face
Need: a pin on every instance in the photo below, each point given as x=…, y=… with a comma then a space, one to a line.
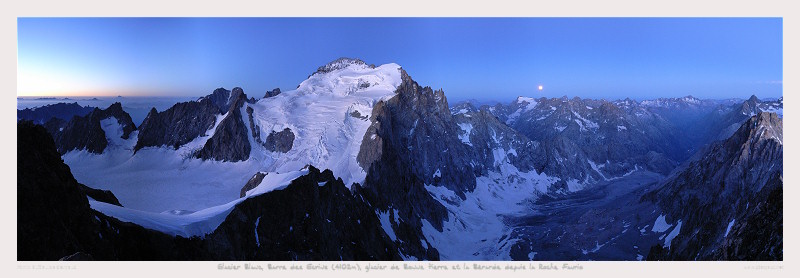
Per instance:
x=252, y=183
x=178, y=125
x=254, y=129
x=728, y=200
x=86, y=132
x=315, y=218
x=61, y=111
x=415, y=143
x=221, y=98
x=184, y=122
x=280, y=141
x=229, y=142
x=418, y=119
x=274, y=92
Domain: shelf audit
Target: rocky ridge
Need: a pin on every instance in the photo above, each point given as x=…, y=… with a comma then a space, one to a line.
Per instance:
x=178, y=125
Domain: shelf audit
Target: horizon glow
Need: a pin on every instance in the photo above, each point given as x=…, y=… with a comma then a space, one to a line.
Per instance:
x=470, y=58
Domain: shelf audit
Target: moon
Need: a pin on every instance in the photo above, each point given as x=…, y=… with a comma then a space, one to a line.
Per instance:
x=540, y=87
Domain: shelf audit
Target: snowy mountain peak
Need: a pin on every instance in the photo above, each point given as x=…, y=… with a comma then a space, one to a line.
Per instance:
x=351, y=77
x=328, y=115
x=342, y=63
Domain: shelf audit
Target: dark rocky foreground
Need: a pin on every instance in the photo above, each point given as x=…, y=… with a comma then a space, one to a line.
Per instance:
x=54, y=219
x=56, y=222
x=315, y=218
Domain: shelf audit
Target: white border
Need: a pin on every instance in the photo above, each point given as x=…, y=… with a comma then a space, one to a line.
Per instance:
x=415, y=8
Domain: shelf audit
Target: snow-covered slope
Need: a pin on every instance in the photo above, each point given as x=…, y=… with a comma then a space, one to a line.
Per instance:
x=329, y=114
x=160, y=179
x=199, y=223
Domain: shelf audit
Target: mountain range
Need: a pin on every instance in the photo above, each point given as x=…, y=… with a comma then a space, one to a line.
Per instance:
x=360, y=162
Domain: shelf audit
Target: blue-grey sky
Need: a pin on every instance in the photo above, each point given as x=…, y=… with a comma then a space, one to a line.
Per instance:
x=470, y=58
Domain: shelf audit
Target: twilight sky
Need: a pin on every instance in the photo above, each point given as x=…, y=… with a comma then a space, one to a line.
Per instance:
x=470, y=58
